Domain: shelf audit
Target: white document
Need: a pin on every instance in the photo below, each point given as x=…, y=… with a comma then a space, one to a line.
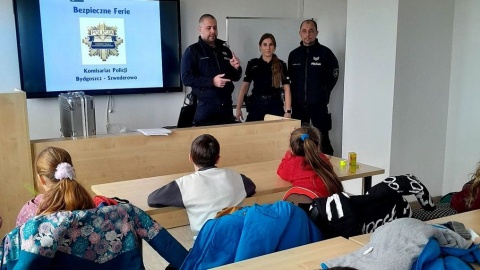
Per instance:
x=155, y=131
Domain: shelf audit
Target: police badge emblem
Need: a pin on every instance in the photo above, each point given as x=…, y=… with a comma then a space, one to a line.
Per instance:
x=102, y=41
x=316, y=60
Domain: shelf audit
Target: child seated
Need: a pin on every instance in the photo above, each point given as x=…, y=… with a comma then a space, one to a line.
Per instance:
x=465, y=200
x=304, y=165
x=206, y=191
x=56, y=176
x=469, y=197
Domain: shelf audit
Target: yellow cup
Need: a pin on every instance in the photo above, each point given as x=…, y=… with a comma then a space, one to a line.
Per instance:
x=352, y=159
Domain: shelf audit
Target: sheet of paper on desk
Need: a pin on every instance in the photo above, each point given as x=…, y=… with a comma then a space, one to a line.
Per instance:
x=155, y=131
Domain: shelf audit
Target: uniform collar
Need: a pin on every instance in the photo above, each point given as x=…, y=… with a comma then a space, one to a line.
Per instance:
x=218, y=42
x=263, y=61
x=313, y=45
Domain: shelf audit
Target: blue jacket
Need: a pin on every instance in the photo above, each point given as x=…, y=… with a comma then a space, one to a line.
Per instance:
x=201, y=63
x=435, y=257
x=250, y=232
x=313, y=74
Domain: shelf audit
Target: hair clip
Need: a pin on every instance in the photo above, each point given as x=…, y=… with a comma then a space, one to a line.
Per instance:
x=304, y=136
x=64, y=170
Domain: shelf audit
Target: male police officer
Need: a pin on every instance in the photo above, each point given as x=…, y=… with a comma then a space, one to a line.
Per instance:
x=313, y=70
x=209, y=67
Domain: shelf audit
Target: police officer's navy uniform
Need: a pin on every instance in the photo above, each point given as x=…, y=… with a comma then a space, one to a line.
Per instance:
x=313, y=74
x=265, y=99
x=200, y=64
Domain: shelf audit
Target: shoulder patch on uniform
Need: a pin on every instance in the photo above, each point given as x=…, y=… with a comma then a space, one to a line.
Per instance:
x=335, y=73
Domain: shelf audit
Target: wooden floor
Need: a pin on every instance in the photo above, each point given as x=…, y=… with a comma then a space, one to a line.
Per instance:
x=153, y=261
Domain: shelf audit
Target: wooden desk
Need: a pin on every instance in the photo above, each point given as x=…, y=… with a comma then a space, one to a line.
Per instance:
x=111, y=158
x=362, y=171
x=470, y=219
x=15, y=158
x=270, y=187
x=362, y=239
x=136, y=191
x=304, y=257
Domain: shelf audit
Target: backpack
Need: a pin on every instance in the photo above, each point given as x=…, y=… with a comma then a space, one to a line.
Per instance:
x=101, y=200
x=349, y=215
x=298, y=195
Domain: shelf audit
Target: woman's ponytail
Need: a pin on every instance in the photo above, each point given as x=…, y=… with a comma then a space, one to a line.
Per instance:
x=277, y=72
x=67, y=195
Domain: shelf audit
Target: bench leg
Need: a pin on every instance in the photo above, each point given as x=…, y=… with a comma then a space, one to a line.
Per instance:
x=367, y=184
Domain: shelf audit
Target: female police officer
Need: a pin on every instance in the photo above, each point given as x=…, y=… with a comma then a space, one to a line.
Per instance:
x=269, y=76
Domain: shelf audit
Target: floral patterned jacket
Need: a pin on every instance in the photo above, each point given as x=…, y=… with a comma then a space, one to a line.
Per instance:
x=102, y=238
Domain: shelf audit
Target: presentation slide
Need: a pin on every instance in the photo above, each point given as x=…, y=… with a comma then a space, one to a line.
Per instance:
x=98, y=44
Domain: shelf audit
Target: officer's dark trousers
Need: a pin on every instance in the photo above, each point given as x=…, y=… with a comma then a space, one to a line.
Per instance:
x=261, y=105
x=213, y=114
x=320, y=118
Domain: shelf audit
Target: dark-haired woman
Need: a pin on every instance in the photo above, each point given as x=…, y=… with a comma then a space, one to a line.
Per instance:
x=269, y=77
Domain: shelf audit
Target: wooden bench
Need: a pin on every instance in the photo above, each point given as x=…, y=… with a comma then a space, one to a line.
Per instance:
x=303, y=257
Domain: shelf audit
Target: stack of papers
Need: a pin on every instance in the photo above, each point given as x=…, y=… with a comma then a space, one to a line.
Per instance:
x=155, y=131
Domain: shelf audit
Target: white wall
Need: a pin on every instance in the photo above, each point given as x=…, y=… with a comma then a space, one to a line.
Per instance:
x=9, y=75
x=369, y=81
x=422, y=81
x=462, y=151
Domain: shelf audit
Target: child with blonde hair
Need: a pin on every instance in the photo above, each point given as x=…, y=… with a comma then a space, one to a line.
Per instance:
x=469, y=197
x=304, y=165
x=56, y=177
